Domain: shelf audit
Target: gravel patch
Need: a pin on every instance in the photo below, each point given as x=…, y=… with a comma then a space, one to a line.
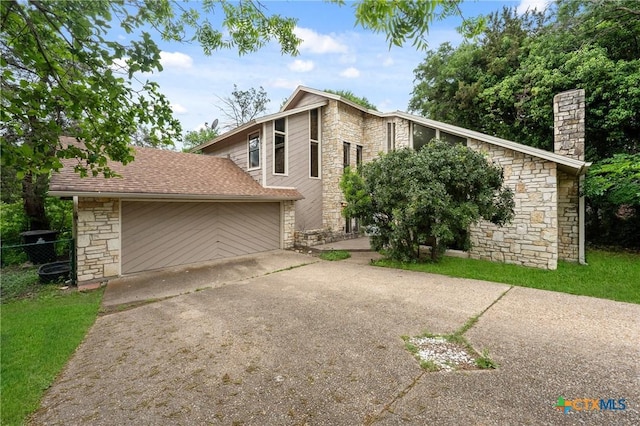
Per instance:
x=446, y=355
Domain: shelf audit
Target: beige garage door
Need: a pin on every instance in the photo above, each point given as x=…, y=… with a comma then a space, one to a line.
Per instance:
x=160, y=234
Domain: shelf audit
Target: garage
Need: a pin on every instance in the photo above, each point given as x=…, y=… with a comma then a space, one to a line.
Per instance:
x=162, y=234
x=169, y=208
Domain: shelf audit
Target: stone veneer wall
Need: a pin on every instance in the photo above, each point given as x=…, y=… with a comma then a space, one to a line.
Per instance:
x=340, y=123
x=531, y=239
x=288, y=224
x=569, y=138
x=98, y=241
x=568, y=231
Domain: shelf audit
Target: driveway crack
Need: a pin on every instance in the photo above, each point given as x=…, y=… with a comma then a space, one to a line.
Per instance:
x=373, y=418
x=474, y=319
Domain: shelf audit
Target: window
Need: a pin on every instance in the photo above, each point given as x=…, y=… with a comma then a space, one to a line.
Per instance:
x=279, y=147
x=358, y=155
x=254, y=151
x=422, y=135
x=452, y=139
x=391, y=136
x=346, y=155
x=314, y=143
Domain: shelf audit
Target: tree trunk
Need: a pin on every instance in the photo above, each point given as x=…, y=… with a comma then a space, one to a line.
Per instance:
x=34, y=189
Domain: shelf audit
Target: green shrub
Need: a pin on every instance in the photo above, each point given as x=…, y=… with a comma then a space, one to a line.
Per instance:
x=13, y=221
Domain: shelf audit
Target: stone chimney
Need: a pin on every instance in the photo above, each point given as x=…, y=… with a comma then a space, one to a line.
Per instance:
x=568, y=123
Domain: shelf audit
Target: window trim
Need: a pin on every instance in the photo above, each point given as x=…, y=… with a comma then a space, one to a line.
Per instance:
x=249, y=138
x=391, y=136
x=286, y=147
x=346, y=155
x=317, y=142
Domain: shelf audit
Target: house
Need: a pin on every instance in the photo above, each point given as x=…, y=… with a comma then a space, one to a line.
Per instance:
x=274, y=183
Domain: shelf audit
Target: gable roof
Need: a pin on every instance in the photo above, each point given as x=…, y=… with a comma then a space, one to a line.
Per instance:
x=567, y=164
x=157, y=173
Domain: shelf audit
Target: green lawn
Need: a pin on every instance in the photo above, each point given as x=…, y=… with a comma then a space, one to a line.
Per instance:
x=608, y=275
x=40, y=330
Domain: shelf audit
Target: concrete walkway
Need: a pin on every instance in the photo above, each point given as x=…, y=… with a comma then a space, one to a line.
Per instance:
x=320, y=344
x=353, y=245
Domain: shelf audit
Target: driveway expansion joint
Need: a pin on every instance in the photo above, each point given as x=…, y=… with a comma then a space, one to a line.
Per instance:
x=373, y=418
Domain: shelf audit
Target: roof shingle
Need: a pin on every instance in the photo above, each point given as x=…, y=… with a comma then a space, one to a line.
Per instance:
x=169, y=174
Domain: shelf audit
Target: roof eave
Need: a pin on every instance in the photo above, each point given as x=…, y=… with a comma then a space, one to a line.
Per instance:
x=186, y=197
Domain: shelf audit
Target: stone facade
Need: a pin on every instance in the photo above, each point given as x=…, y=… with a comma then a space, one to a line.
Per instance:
x=340, y=123
x=531, y=239
x=568, y=123
x=568, y=220
x=288, y=214
x=569, y=138
x=98, y=240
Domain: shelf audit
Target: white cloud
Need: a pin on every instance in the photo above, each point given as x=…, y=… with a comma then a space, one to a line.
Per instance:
x=531, y=5
x=301, y=66
x=319, y=43
x=175, y=60
x=178, y=109
x=350, y=72
x=386, y=61
x=283, y=83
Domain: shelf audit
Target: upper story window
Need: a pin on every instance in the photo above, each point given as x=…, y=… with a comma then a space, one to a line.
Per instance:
x=314, y=143
x=346, y=155
x=254, y=151
x=422, y=135
x=452, y=139
x=280, y=146
x=358, y=155
x=391, y=136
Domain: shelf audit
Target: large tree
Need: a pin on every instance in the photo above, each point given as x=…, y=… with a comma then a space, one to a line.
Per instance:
x=431, y=196
x=243, y=106
x=504, y=84
x=65, y=72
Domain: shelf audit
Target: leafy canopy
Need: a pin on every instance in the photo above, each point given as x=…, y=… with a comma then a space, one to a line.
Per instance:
x=64, y=73
x=349, y=95
x=408, y=198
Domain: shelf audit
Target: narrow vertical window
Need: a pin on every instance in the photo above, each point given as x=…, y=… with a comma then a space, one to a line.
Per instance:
x=314, y=144
x=358, y=155
x=346, y=155
x=254, y=151
x=391, y=136
x=279, y=147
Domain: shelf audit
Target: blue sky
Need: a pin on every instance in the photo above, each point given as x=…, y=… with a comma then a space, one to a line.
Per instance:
x=334, y=55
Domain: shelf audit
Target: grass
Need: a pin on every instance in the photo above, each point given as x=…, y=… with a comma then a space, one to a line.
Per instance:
x=41, y=328
x=608, y=275
x=335, y=255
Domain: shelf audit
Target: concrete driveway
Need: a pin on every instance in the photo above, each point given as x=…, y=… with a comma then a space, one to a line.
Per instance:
x=296, y=341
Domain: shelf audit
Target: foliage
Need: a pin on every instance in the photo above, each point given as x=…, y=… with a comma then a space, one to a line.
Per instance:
x=608, y=275
x=349, y=95
x=62, y=74
x=194, y=138
x=430, y=195
x=335, y=255
x=504, y=83
x=243, y=105
x=39, y=335
x=13, y=221
x=615, y=180
x=407, y=20
x=612, y=187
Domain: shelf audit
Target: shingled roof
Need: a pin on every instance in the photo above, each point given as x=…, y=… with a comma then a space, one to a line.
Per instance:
x=157, y=173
